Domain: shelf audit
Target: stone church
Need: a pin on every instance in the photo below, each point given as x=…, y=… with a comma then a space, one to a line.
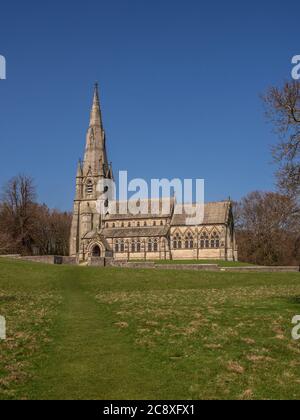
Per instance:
x=158, y=236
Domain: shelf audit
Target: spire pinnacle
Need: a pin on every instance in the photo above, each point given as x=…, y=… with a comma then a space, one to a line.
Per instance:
x=79, y=168
x=96, y=119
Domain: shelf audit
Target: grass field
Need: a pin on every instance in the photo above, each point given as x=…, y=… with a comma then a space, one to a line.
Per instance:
x=90, y=333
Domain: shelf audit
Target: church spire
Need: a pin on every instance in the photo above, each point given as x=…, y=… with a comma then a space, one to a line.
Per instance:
x=95, y=158
x=96, y=118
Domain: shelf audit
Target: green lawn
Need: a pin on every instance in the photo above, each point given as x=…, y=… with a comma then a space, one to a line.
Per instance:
x=90, y=333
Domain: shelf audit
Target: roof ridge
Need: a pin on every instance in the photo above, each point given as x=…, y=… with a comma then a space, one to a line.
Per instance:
x=206, y=202
x=144, y=199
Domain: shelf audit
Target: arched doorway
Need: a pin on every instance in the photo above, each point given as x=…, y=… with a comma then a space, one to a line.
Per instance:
x=96, y=253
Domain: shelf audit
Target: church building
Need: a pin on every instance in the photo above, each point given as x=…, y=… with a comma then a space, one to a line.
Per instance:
x=158, y=236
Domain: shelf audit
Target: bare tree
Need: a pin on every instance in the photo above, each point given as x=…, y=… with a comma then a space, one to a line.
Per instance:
x=17, y=211
x=51, y=231
x=268, y=226
x=6, y=243
x=27, y=227
x=283, y=110
x=60, y=228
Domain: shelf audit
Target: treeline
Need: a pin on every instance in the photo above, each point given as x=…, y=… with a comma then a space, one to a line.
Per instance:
x=268, y=223
x=30, y=228
x=268, y=229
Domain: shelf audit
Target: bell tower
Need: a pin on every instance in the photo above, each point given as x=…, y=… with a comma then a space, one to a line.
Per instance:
x=93, y=168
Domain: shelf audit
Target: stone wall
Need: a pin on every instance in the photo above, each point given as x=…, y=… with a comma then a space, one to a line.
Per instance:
x=200, y=267
x=128, y=264
x=50, y=259
x=191, y=267
x=110, y=262
x=10, y=256
x=46, y=259
x=69, y=260
x=261, y=269
x=97, y=262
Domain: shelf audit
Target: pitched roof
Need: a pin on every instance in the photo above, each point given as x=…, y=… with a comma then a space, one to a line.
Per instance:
x=161, y=207
x=214, y=213
x=135, y=232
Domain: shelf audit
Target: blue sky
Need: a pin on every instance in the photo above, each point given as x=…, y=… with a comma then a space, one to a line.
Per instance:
x=180, y=83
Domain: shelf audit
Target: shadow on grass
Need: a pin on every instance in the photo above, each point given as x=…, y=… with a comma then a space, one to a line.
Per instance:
x=295, y=300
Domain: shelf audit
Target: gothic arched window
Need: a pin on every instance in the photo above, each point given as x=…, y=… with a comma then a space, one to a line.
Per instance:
x=215, y=240
x=155, y=246
x=138, y=246
x=122, y=246
x=149, y=245
x=117, y=246
x=189, y=241
x=133, y=246
x=177, y=241
x=204, y=240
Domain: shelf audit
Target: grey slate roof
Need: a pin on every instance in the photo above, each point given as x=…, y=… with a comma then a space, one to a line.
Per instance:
x=135, y=232
x=161, y=207
x=214, y=213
